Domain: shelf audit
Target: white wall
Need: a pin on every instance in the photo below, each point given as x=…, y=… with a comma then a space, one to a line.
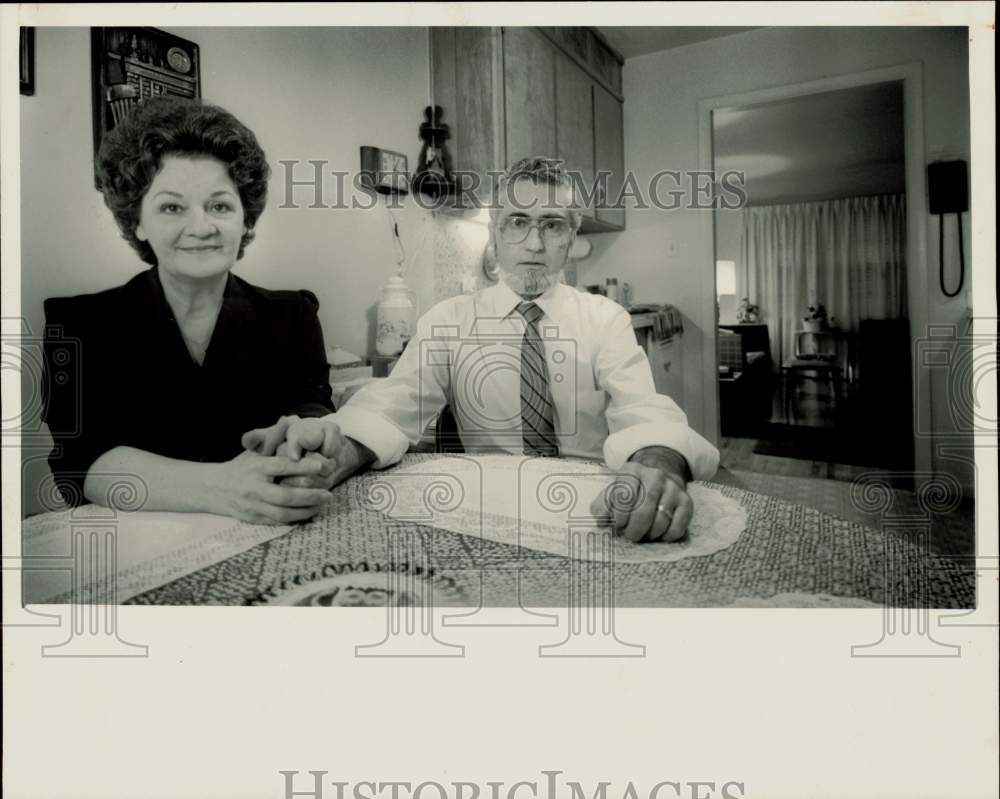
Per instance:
x=727, y=235
x=662, y=91
x=727, y=248
x=316, y=93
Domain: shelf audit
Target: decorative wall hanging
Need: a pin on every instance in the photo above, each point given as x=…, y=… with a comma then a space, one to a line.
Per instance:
x=434, y=173
x=130, y=65
x=27, y=62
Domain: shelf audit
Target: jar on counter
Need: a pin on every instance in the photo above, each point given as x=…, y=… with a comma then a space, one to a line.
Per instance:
x=611, y=289
x=396, y=317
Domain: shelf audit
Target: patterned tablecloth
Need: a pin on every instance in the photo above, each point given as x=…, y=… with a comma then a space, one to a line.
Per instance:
x=789, y=555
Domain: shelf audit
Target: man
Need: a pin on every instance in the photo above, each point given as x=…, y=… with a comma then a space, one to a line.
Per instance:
x=529, y=366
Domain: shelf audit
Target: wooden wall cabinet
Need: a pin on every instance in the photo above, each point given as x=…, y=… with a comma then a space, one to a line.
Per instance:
x=609, y=156
x=666, y=360
x=529, y=91
x=575, y=110
x=511, y=92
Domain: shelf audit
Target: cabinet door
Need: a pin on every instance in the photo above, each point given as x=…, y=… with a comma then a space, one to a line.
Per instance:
x=668, y=368
x=609, y=152
x=463, y=72
x=529, y=71
x=575, y=126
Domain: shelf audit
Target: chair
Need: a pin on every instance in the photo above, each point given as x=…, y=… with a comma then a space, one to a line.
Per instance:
x=817, y=357
x=746, y=385
x=446, y=437
x=122, y=97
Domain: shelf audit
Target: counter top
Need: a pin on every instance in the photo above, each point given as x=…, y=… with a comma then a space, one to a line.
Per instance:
x=668, y=319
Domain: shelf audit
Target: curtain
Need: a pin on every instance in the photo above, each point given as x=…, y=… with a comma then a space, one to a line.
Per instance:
x=848, y=254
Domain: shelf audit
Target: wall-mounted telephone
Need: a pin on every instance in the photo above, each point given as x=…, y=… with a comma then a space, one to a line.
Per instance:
x=948, y=192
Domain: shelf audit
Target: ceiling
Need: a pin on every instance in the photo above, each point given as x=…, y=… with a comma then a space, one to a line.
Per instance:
x=639, y=40
x=836, y=144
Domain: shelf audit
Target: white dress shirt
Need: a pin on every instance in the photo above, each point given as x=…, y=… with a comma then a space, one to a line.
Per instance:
x=466, y=354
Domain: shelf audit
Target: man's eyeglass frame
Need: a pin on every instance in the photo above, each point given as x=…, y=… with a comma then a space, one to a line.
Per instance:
x=549, y=236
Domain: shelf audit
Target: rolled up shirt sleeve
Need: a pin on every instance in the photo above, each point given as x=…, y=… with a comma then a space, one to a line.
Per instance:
x=637, y=416
x=389, y=415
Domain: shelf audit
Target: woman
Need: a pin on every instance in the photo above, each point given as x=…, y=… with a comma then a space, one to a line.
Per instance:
x=167, y=372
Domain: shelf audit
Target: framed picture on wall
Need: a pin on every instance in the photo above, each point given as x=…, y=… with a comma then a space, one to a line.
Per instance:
x=130, y=65
x=27, y=62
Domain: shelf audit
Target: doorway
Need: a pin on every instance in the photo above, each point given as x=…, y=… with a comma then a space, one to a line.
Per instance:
x=813, y=306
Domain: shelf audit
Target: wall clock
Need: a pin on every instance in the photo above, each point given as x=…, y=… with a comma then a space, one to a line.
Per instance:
x=384, y=171
x=179, y=60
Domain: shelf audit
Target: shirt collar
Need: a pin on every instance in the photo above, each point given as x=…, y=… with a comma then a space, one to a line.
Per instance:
x=553, y=301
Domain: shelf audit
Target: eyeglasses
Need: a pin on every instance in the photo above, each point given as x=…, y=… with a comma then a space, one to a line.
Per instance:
x=515, y=229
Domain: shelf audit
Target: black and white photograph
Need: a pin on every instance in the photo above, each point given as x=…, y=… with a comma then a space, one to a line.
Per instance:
x=638, y=353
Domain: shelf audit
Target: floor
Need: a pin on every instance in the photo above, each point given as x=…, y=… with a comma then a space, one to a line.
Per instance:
x=812, y=407
x=827, y=485
x=737, y=453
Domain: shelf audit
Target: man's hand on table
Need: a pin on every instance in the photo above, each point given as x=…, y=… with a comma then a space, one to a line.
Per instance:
x=311, y=439
x=648, y=498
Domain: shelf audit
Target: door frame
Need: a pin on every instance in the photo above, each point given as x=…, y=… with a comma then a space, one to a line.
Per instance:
x=918, y=298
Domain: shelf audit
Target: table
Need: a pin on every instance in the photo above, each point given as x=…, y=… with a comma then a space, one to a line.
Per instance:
x=788, y=549
x=806, y=542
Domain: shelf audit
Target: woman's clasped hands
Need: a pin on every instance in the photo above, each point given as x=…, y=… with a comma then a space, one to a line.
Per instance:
x=254, y=488
x=267, y=484
x=287, y=470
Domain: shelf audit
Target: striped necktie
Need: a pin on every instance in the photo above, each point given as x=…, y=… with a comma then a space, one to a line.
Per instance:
x=537, y=428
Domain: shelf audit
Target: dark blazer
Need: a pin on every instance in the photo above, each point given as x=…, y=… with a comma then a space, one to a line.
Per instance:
x=119, y=374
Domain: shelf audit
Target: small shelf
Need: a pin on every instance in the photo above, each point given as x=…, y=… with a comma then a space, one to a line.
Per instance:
x=597, y=226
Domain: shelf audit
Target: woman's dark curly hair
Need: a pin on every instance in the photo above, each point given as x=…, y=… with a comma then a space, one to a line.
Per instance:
x=132, y=153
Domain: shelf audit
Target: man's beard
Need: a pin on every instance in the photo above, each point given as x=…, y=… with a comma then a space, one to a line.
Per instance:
x=531, y=283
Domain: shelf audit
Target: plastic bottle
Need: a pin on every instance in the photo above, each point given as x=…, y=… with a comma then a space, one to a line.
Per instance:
x=611, y=287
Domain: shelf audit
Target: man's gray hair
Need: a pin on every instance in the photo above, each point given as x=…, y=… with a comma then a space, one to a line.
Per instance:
x=538, y=169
